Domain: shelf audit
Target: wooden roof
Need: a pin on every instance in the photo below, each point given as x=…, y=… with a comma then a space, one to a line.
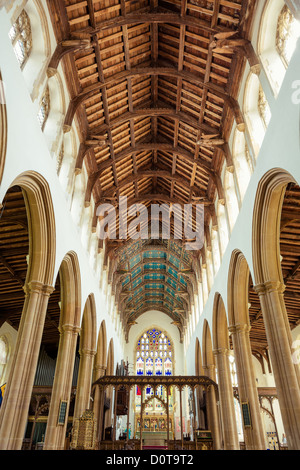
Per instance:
x=153, y=87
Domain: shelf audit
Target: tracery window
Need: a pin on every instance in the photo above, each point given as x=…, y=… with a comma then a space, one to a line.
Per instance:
x=154, y=354
x=44, y=108
x=21, y=38
x=288, y=30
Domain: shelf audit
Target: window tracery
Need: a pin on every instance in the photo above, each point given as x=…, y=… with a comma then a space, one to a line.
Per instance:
x=21, y=38
x=154, y=354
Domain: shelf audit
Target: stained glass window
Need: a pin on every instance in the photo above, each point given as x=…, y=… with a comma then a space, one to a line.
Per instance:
x=140, y=366
x=149, y=366
x=168, y=366
x=154, y=354
x=21, y=38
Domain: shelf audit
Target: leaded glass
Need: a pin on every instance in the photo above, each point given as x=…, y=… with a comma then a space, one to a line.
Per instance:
x=21, y=37
x=153, y=349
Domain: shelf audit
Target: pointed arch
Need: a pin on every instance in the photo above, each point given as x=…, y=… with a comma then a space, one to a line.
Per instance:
x=110, y=358
x=220, y=328
x=70, y=282
x=3, y=128
x=207, y=349
x=198, y=359
x=266, y=225
x=238, y=289
x=41, y=226
x=101, y=354
x=88, y=325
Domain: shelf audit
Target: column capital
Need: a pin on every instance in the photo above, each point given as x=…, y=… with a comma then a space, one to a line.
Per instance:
x=69, y=328
x=38, y=288
x=269, y=286
x=99, y=371
x=221, y=352
x=87, y=352
x=239, y=328
x=209, y=367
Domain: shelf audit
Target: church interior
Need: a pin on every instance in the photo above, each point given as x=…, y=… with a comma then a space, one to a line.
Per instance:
x=149, y=225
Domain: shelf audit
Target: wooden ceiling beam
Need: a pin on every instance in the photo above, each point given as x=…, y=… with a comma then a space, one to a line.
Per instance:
x=155, y=173
x=157, y=111
x=179, y=86
x=186, y=155
x=129, y=89
x=150, y=18
x=140, y=71
x=63, y=48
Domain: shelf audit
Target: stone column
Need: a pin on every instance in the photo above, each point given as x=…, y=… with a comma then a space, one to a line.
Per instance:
x=286, y=373
x=128, y=408
x=254, y=435
x=14, y=409
x=141, y=419
x=116, y=388
x=212, y=408
x=84, y=382
x=62, y=387
x=100, y=424
x=231, y=441
x=98, y=403
x=168, y=417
